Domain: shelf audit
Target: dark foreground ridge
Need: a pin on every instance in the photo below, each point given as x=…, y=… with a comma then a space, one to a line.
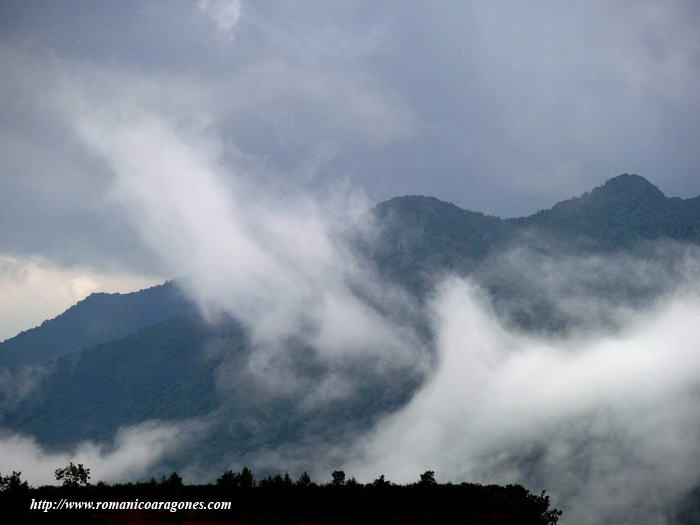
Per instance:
x=275, y=500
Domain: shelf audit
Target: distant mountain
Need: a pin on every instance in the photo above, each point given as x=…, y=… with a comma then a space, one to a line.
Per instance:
x=115, y=360
x=422, y=237
x=177, y=370
x=154, y=373
x=419, y=239
x=97, y=319
x=624, y=211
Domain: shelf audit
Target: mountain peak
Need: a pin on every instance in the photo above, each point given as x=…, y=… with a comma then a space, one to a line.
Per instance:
x=413, y=202
x=629, y=185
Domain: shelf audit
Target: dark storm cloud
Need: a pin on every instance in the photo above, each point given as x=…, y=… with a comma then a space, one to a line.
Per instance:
x=522, y=104
x=500, y=107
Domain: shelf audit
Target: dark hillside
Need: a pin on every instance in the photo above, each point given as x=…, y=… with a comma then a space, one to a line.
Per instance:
x=157, y=373
x=423, y=237
x=623, y=212
x=97, y=319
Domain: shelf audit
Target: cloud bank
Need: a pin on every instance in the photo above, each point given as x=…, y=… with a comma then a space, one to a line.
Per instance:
x=601, y=422
x=132, y=453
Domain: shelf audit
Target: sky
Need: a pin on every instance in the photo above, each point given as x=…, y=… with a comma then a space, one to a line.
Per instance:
x=500, y=107
x=226, y=142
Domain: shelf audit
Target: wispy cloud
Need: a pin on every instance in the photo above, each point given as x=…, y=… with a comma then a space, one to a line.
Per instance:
x=275, y=260
x=224, y=14
x=132, y=453
x=603, y=422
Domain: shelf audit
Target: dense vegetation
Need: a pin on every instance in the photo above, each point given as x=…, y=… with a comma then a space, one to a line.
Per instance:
x=279, y=499
x=98, y=319
x=178, y=369
x=155, y=373
x=623, y=212
x=421, y=237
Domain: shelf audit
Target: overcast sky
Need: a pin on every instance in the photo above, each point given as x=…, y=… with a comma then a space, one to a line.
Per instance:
x=503, y=107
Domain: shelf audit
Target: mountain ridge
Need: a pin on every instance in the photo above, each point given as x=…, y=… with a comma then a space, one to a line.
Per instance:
x=419, y=236
x=84, y=325
x=626, y=202
x=625, y=210
x=114, y=360
x=623, y=191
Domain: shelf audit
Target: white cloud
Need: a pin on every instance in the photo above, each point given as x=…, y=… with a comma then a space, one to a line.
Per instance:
x=133, y=452
x=224, y=13
x=272, y=259
x=33, y=290
x=601, y=423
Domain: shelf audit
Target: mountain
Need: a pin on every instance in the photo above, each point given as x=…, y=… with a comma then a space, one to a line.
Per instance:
x=115, y=360
x=626, y=210
x=419, y=238
x=622, y=212
x=185, y=369
x=422, y=238
x=155, y=373
x=97, y=319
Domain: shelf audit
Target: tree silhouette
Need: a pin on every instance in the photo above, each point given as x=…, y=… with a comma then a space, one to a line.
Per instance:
x=427, y=479
x=13, y=484
x=304, y=480
x=338, y=478
x=381, y=482
x=247, y=480
x=227, y=480
x=173, y=481
x=235, y=480
x=73, y=475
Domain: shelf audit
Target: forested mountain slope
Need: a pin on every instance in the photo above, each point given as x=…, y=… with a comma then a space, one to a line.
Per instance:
x=99, y=318
x=115, y=360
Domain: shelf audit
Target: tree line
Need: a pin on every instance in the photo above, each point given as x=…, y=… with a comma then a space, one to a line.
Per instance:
x=274, y=499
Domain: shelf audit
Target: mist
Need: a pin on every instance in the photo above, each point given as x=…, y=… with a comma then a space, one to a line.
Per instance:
x=278, y=261
x=131, y=454
x=605, y=422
